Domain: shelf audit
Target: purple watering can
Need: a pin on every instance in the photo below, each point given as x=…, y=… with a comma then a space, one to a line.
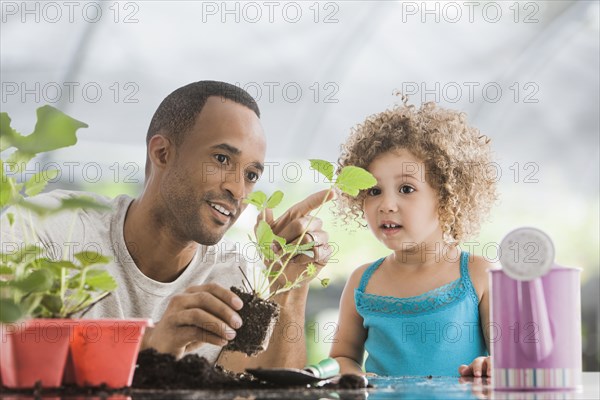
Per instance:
x=535, y=322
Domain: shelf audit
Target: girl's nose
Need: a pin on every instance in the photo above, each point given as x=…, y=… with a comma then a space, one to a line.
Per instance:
x=388, y=204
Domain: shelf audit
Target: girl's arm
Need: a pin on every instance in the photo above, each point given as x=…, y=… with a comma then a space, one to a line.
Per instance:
x=349, y=342
x=481, y=366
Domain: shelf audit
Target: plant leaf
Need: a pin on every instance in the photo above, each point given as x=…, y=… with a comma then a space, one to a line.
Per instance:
x=30, y=306
x=35, y=208
x=76, y=299
x=100, y=280
x=9, y=310
x=311, y=269
x=56, y=266
x=7, y=134
x=257, y=199
x=38, y=280
x=5, y=192
x=7, y=183
x=264, y=234
x=81, y=202
x=324, y=167
x=53, y=303
x=279, y=240
x=267, y=251
x=325, y=282
x=353, y=179
x=53, y=130
x=275, y=199
x=38, y=182
x=11, y=218
x=91, y=257
x=6, y=270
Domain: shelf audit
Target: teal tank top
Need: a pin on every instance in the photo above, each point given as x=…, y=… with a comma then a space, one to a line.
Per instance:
x=430, y=334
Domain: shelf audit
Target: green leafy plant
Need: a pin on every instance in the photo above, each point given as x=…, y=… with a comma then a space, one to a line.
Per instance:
x=275, y=252
x=33, y=284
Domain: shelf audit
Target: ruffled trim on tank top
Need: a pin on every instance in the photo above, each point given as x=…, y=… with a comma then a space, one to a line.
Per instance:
x=428, y=302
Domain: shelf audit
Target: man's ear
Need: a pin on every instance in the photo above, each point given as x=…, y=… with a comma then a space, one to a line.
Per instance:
x=161, y=151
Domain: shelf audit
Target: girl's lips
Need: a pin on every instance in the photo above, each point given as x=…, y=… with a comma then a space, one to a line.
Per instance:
x=390, y=228
x=391, y=231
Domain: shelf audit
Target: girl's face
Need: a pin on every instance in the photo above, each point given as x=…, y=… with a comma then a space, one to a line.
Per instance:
x=401, y=210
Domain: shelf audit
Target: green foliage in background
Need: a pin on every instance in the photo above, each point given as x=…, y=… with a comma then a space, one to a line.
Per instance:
x=32, y=284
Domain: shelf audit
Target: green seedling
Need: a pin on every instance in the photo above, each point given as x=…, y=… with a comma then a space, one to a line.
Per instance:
x=33, y=284
x=275, y=252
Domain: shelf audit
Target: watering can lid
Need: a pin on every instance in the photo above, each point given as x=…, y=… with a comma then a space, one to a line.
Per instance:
x=526, y=253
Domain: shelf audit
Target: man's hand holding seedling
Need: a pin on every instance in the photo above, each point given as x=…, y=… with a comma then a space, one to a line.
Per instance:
x=294, y=247
x=296, y=225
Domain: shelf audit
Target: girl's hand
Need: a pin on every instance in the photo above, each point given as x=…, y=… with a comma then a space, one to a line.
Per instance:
x=481, y=366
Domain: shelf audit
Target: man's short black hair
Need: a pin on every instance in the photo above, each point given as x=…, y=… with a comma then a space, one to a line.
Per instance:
x=177, y=113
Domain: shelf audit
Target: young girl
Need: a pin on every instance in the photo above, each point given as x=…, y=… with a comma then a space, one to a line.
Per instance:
x=420, y=310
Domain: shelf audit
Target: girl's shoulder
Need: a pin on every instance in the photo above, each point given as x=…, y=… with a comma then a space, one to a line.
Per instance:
x=357, y=274
x=478, y=267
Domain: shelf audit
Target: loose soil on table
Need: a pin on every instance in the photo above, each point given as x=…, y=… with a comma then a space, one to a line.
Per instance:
x=258, y=317
x=161, y=371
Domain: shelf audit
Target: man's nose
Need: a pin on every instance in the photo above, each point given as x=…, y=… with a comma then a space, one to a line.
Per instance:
x=233, y=182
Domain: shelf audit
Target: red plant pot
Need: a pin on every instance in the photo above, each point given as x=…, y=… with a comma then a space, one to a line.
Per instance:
x=34, y=350
x=104, y=351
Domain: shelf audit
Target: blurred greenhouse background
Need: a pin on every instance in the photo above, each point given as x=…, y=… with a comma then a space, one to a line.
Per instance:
x=525, y=72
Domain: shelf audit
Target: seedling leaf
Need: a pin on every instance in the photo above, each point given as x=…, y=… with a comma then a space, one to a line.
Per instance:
x=275, y=199
x=38, y=182
x=80, y=202
x=9, y=310
x=323, y=167
x=53, y=130
x=7, y=133
x=257, y=199
x=38, y=280
x=264, y=234
x=91, y=257
x=100, y=280
x=52, y=302
x=353, y=179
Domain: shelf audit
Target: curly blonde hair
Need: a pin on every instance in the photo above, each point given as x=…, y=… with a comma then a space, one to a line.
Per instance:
x=456, y=158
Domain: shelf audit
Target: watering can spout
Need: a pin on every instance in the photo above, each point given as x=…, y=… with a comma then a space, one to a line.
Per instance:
x=538, y=341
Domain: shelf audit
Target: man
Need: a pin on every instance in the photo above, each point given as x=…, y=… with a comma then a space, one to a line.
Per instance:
x=205, y=152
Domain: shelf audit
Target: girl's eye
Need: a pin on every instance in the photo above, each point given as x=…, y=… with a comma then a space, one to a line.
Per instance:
x=373, y=192
x=406, y=189
x=222, y=158
x=252, y=177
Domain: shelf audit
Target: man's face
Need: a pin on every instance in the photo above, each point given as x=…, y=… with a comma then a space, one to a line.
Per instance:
x=215, y=168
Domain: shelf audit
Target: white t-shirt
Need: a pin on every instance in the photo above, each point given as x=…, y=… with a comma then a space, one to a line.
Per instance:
x=137, y=296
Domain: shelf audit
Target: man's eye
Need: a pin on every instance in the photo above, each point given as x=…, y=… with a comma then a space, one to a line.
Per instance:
x=252, y=177
x=222, y=158
x=373, y=192
x=406, y=189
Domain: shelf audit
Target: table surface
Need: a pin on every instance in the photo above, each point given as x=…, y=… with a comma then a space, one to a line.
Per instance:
x=385, y=388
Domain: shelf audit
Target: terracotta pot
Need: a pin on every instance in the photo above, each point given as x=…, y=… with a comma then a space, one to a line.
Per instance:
x=104, y=351
x=34, y=350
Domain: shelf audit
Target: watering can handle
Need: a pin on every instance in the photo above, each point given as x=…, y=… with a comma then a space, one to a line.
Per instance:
x=533, y=310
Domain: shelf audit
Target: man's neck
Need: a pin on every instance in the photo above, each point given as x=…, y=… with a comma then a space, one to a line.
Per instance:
x=153, y=247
